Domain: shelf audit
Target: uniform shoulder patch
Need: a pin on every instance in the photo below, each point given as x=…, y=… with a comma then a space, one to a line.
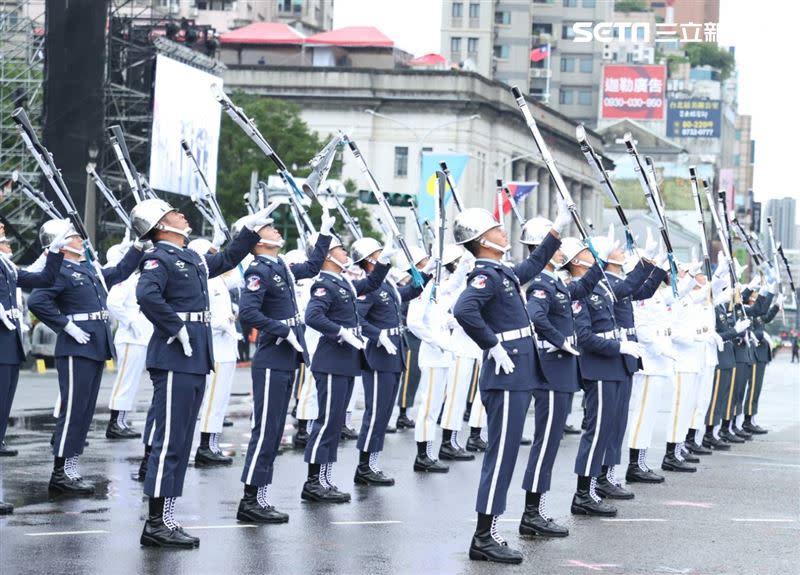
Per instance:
x=479, y=281
x=253, y=282
x=320, y=291
x=576, y=307
x=150, y=249
x=150, y=264
x=540, y=294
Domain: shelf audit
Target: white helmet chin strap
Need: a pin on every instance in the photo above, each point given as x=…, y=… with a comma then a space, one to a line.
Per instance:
x=578, y=262
x=494, y=246
x=341, y=265
x=165, y=228
x=615, y=262
x=272, y=243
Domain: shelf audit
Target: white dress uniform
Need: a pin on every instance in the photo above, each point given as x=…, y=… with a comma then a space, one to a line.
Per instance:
x=707, y=323
x=223, y=330
x=652, y=317
x=307, y=407
x=429, y=322
x=463, y=377
x=130, y=341
x=689, y=343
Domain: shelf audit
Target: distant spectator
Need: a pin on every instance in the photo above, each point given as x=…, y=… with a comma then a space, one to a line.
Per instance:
x=796, y=349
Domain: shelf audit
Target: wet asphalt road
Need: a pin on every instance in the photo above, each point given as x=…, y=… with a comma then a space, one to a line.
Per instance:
x=740, y=514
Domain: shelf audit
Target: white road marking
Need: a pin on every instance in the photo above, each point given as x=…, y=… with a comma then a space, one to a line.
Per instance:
x=244, y=526
x=365, y=522
x=759, y=520
x=48, y=533
x=635, y=520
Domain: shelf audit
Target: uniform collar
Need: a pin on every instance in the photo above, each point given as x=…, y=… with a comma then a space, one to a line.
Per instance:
x=334, y=275
x=170, y=244
x=489, y=261
x=552, y=274
x=616, y=275
x=272, y=259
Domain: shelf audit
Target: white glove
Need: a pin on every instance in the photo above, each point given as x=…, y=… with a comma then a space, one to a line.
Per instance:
x=631, y=348
x=230, y=329
x=451, y=323
x=5, y=319
x=501, y=359
x=567, y=346
x=327, y=222
x=717, y=339
x=261, y=218
x=741, y=325
x=77, y=333
x=429, y=267
x=386, y=342
x=134, y=330
x=722, y=266
x=183, y=337
x=387, y=252
x=292, y=340
x=61, y=240
x=348, y=336
x=563, y=217
x=218, y=238
x=661, y=259
x=682, y=339
x=778, y=301
x=651, y=246
x=755, y=283
x=143, y=245
x=694, y=268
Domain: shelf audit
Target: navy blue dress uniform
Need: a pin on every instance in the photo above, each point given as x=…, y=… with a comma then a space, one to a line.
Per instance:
x=12, y=354
x=380, y=311
x=79, y=296
x=491, y=310
x=550, y=306
x=763, y=355
x=723, y=374
x=268, y=303
x=335, y=363
x=173, y=293
x=640, y=284
x=409, y=380
x=745, y=358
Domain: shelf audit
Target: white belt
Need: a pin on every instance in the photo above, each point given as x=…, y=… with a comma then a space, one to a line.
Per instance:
x=292, y=321
x=513, y=334
x=549, y=347
x=664, y=332
x=702, y=330
x=629, y=330
x=354, y=330
x=90, y=316
x=13, y=313
x=195, y=316
x=394, y=331
x=613, y=334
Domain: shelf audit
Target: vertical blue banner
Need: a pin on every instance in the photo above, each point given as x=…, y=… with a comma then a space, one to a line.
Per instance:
x=456, y=163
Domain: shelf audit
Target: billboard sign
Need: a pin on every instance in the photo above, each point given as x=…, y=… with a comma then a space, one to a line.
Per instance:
x=634, y=92
x=694, y=118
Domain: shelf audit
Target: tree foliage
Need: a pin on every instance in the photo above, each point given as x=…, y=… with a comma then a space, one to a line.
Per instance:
x=709, y=54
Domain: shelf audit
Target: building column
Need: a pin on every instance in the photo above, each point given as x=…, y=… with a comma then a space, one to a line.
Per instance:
x=577, y=196
x=588, y=209
x=530, y=203
x=543, y=207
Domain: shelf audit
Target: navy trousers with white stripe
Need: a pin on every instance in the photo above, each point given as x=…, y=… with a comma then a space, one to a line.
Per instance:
x=613, y=455
x=149, y=431
x=333, y=394
x=9, y=376
x=505, y=418
x=602, y=399
x=380, y=391
x=272, y=389
x=551, y=409
x=78, y=382
x=176, y=403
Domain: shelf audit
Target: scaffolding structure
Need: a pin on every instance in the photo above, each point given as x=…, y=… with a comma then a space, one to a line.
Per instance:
x=21, y=84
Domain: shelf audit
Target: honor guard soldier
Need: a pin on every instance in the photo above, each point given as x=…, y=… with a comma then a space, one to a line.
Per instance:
x=550, y=305
x=639, y=284
x=492, y=311
x=173, y=295
x=763, y=353
x=269, y=304
x=12, y=353
x=75, y=308
x=603, y=372
x=225, y=343
x=337, y=361
x=381, y=323
x=412, y=374
x=130, y=342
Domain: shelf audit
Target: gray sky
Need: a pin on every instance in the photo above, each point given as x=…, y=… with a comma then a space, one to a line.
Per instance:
x=766, y=57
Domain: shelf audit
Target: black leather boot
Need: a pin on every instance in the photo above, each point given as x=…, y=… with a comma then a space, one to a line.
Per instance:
x=584, y=504
x=348, y=433
x=728, y=437
x=116, y=428
x=313, y=490
x=751, y=427
x=6, y=508
x=672, y=462
x=475, y=442
x=570, y=430
x=487, y=545
x=714, y=444
x=6, y=451
x=365, y=475
x=142, y=473
x=535, y=522
x=450, y=452
x=697, y=449
x=301, y=437
x=738, y=432
x=157, y=533
x=638, y=471
x=606, y=488
x=72, y=484
x=256, y=510
x=205, y=456
x=688, y=456
x=404, y=422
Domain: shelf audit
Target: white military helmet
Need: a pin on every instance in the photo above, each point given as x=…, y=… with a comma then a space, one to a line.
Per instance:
x=472, y=223
x=535, y=230
x=311, y=243
x=146, y=214
x=362, y=248
x=603, y=246
x=114, y=254
x=451, y=253
x=417, y=255
x=200, y=246
x=294, y=257
x=50, y=230
x=571, y=247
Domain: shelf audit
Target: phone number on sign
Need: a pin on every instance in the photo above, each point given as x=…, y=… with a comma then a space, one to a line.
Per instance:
x=633, y=102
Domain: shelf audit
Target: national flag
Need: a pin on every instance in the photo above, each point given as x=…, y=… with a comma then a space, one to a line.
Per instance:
x=456, y=163
x=540, y=53
x=519, y=191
